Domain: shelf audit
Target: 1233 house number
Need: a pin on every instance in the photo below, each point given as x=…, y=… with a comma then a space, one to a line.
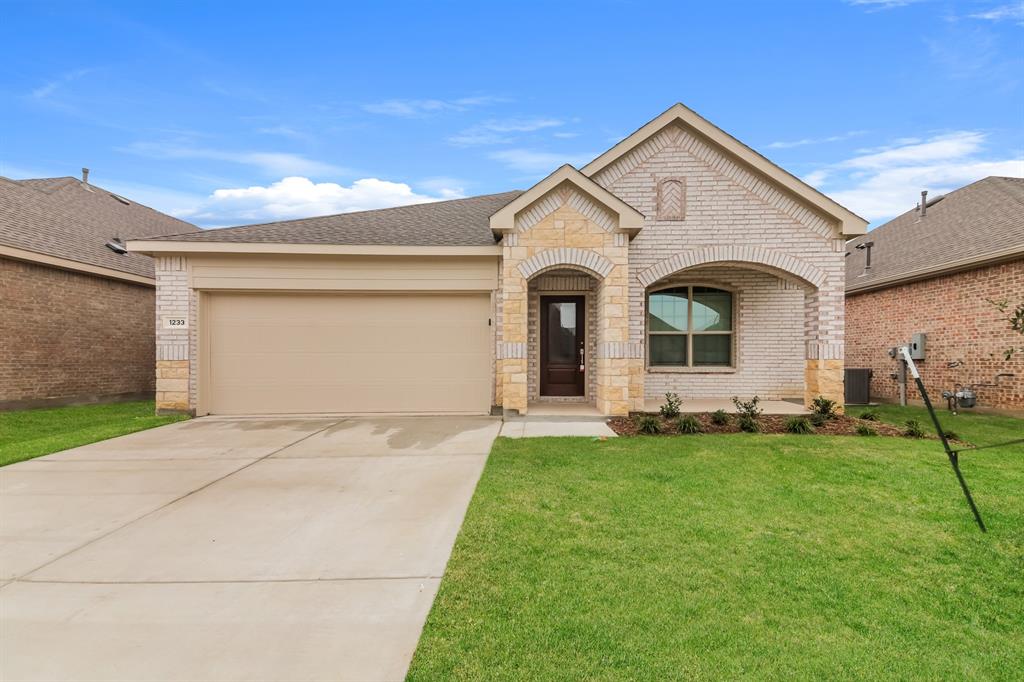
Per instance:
x=175, y=322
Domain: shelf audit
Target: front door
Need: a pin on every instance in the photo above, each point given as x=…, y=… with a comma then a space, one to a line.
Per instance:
x=562, y=325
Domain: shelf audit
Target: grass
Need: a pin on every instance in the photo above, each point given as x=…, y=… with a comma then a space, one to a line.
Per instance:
x=733, y=556
x=25, y=434
x=977, y=428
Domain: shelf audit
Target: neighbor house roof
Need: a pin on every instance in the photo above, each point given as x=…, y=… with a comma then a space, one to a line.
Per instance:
x=67, y=223
x=455, y=222
x=975, y=225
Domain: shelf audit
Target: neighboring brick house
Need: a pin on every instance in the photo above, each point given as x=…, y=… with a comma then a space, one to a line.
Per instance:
x=679, y=260
x=933, y=272
x=76, y=316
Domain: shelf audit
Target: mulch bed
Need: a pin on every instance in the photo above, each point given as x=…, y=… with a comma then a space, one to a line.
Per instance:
x=769, y=423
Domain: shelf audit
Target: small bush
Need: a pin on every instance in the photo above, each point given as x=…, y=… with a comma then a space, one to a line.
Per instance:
x=747, y=408
x=719, y=417
x=865, y=430
x=649, y=424
x=913, y=429
x=799, y=425
x=689, y=424
x=749, y=424
x=818, y=419
x=670, y=410
x=825, y=407
x=870, y=415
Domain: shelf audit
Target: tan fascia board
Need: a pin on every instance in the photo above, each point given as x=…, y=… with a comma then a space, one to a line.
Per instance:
x=66, y=264
x=152, y=247
x=851, y=224
x=630, y=219
x=962, y=265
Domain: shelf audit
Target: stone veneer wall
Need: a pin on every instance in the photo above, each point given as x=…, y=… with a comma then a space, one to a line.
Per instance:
x=566, y=283
x=713, y=201
x=768, y=339
x=565, y=229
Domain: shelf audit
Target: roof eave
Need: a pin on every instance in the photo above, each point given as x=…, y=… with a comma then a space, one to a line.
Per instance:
x=165, y=247
x=972, y=263
x=630, y=220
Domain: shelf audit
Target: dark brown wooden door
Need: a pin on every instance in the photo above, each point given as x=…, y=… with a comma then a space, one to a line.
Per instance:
x=562, y=340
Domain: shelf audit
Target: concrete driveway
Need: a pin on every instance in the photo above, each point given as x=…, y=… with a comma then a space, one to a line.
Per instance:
x=233, y=549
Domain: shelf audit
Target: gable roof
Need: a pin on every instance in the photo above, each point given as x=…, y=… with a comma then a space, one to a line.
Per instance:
x=62, y=219
x=455, y=222
x=630, y=219
x=974, y=225
x=850, y=223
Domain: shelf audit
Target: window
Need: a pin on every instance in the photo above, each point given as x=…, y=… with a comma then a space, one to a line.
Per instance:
x=689, y=327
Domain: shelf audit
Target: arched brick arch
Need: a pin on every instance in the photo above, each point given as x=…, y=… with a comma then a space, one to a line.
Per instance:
x=591, y=261
x=735, y=253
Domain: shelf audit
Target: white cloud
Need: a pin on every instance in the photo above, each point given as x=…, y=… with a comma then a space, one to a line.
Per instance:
x=882, y=183
x=300, y=197
x=498, y=131
x=272, y=163
x=533, y=161
x=882, y=4
x=951, y=146
x=47, y=89
x=413, y=108
x=283, y=131
x=1013, y=11
x=789, y=144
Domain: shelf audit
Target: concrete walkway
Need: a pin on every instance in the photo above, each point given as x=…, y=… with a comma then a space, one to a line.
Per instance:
x=233, y=549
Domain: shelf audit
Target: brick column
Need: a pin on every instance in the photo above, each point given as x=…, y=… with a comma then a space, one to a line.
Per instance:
x=172, y=344
x=619, y=364
x=824, y=364
x=512, y=358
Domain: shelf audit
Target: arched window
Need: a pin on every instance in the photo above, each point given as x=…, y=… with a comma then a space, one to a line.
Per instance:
x=689, y=327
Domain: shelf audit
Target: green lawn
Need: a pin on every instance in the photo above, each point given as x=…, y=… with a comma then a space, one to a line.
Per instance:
x=977, y=428
x=25, y=434
x=720, y=557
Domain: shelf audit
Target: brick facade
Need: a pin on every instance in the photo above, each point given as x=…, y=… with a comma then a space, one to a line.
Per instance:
x=707, y=220
x=72, y=337
x=728, y=215
x=960, y=326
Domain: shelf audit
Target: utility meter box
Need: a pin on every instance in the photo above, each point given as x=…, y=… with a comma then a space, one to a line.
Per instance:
x=917, y=345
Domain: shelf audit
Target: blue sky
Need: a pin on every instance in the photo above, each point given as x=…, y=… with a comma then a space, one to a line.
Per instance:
x=234, y=112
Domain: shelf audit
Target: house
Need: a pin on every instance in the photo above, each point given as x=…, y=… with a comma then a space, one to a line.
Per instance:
x=77, y=309
x=679, y=260
x=934, y=271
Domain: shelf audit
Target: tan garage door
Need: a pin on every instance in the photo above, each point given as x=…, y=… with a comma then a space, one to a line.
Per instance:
x=280, y=353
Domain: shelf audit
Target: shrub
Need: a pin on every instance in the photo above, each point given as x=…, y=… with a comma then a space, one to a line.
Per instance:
x=747, y=408
x=870, y=415
x=913, y=429
x=799, y=425
x=865, y=430
x=824, y=407
x=689, y=424
x=670, y=410
x=649, y=424
x=818, y=419
x=719, y=417
x=749, y=424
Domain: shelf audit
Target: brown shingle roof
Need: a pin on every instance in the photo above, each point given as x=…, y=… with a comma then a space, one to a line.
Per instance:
x=62, y=217
x=971, y=225
x=456, y=222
